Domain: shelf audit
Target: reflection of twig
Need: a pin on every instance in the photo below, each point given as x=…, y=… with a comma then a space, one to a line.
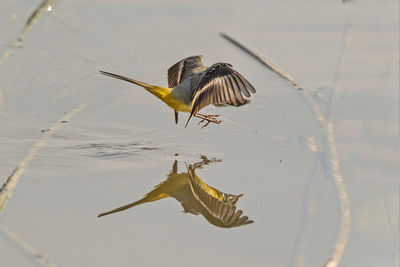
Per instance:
x=336, y=76
x=65, y=22
x=270, y=66
x=345, y=220
x=344, y=230
x=27, y=248
x=12, y=180
x=1, y=98
x=344, y=227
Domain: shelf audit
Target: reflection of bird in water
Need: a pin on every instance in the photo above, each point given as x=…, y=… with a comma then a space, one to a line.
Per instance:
x=193, y=86
x=196, y=197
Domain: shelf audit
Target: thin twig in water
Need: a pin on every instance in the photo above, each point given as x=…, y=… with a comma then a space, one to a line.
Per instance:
x=46, y=5
x=12, y=180
x=27, y=248
x=265, y=62
x=345, y=219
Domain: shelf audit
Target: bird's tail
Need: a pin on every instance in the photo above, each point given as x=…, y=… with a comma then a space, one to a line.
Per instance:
x=158, y=91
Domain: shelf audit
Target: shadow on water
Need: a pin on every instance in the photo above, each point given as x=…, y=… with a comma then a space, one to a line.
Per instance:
x=195, y=196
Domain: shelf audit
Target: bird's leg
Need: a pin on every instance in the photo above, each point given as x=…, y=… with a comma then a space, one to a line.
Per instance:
x=207, y=118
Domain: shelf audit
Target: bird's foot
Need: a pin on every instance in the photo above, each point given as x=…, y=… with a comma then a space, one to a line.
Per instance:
x=207, y=119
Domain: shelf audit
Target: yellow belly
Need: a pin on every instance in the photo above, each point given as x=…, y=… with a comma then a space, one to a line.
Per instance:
x=176, y=104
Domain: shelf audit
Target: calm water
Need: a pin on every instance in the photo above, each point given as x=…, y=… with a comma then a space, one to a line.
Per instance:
x=119, y=143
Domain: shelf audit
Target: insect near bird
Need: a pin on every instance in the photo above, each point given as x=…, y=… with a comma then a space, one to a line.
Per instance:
x=193, y=86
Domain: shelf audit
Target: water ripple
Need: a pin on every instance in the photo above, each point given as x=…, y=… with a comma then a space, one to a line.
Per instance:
x=114, y=150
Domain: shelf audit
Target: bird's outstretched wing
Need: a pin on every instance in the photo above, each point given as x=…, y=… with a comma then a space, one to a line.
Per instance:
x=218, y=212
x=221, y=85
x=183, y=69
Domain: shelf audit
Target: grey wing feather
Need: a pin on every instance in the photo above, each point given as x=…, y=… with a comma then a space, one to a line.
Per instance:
x=221, y=84
x=183, y=69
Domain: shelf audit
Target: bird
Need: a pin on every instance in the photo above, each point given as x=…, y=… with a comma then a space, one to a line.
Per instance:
x=193, y=86
x=195, y=196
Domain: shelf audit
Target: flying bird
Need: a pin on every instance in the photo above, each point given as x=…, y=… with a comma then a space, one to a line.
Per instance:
x=193, y=86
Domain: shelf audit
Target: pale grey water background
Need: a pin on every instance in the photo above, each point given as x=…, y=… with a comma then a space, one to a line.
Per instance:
x=346, y=54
